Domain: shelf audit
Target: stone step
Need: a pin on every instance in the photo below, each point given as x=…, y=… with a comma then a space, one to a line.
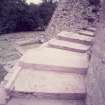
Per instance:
x=86, y=33
x=69, y=46
x=23, y=49
x=92, y=29
x=26, y=42
x=56, y=60
x=75, y=37
x=43, y=101
x=50, y=84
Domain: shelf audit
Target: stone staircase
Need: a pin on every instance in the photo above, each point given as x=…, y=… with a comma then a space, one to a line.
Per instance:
x=54, y=73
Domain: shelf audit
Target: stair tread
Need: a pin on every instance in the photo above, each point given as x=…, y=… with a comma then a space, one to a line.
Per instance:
x=75, y=36
x=92, y=29
x=49, y=82
x=55, y=57
x=67, y=44
x=86, y=33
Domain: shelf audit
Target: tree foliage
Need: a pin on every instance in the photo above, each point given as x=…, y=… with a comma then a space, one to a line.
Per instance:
x=17, y=15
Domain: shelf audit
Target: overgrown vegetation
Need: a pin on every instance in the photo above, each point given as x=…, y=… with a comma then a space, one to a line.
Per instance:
x=17, y=15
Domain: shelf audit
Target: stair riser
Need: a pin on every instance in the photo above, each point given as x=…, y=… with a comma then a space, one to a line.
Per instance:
x=89, y=29
x=54, y=68
x=75, y=40
x=68, y=49
x=85, y=34
x=67, y=96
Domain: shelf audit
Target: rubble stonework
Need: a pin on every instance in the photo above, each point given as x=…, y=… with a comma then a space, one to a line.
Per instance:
x=96, y=72
x=69, y=17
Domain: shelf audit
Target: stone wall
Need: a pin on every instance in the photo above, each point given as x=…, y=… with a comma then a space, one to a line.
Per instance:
x=96, y=73
x=69, y=15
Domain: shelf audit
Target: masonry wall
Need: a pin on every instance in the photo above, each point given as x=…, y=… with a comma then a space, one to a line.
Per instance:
x=96, y=73
x=69, y=16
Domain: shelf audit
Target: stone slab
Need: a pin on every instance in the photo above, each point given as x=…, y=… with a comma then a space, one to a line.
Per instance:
x=92, y=29
x=86, y=33
x=75, y=37
x=26, y=42
x=54, y=59
x=50, y=84
x=70, y=46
